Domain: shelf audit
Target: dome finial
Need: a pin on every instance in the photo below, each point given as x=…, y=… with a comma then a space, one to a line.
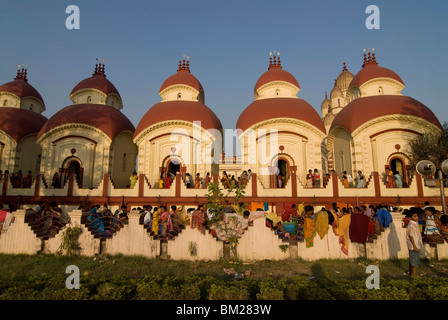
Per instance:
x=344, y=68
x=274, y=60
x=21, y=73
x=373, y=56
x=365, y=58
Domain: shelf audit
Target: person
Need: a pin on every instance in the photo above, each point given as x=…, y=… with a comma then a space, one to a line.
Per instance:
x=225, y=180
x=443, y=226
x=188, y=180
x=161, y=182
x=414, y=243
x=167, y=180
x=316, y=181
x=384, y=216
x=155, y=221
x=147, y=219
x=280, y=181
x=361, y=180
x=345, y=180
x=398, y=180
x=28, y=180
x=244, y=178
x=207, y=180
x=133, y=180
x=165, y=225
x=249, y=174
x=197, y=181
x=431, y=231
x=350, y=180
x=38, y=206
x=309, y=179
x=177, y=224
x=56, y=183
x=122, y=214
x=390, y=180
x=96, y=221
x=233, y=181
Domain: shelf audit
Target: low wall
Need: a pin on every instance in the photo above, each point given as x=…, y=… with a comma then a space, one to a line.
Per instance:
x=257, y=243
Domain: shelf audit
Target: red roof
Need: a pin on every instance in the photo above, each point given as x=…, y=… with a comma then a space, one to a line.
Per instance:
x=265, y=109
x=179, y=110
x=99, y=82
x=105, y=118
x=372, y=71
x=183, y=76
x=21, y=88
x=276, y=74
x=18, y=123
x=364, y=109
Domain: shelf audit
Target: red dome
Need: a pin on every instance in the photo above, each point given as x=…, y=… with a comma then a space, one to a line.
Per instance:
x=276, y=74
x=265, y=109
x=179, y=110
x=21, y=88
x=183, y=76
x=364, y=109
x=105, y=118
x=18, y=123
x=370, y=70
x=98, y=82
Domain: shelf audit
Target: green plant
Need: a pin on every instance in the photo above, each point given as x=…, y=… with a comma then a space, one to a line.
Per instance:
x=283, y=247
x=69, y=245
x=192, y=248
x=217, y=201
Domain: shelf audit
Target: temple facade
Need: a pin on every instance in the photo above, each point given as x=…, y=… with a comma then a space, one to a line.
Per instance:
x=364, y=126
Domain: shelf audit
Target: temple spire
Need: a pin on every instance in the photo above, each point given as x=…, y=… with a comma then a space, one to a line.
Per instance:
x=22, y=73
x=184, y=65
x=274, y=60
x=99, y=68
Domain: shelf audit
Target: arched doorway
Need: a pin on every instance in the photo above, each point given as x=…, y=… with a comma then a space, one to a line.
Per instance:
x=279, y=173
x=173, y=166
x=397, y=165
x=72, y=165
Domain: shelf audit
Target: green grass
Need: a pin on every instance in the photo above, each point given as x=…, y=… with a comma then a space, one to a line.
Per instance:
x=24, y=266
x=43, y=277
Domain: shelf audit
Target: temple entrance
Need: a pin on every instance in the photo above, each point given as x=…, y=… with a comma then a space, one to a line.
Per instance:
x=72, y=166
x=397, y=165
x=279, y=173
x=173, y=167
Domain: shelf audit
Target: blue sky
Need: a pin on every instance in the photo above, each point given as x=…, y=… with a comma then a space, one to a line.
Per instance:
x=228, y=43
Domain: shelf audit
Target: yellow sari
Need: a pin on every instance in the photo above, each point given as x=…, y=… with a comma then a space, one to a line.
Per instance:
x=155, y=222
x=309, y=231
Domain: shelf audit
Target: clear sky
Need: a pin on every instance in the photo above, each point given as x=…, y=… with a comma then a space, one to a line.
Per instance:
x=228, y=43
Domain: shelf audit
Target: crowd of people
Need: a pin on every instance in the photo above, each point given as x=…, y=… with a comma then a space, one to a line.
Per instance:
x=48, y=219
x=18, y=179
x=301, y=223
x=242, y=180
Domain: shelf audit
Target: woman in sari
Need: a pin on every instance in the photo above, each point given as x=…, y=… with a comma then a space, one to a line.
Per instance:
x=167, y=181
x=133, y=179
x=166, y=223
x=207, y=180
x=197, y=181
x=155, y=221
x=345, y=180
x=390, y=180
x=309, y=179
x=225, y=180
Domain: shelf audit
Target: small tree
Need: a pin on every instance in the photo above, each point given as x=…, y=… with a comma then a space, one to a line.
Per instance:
x=217, y=200
x=432, y=146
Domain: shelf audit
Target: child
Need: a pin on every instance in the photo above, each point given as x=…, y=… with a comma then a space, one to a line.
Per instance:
x=443, y=227
x=431, y=232
x=414, y=242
